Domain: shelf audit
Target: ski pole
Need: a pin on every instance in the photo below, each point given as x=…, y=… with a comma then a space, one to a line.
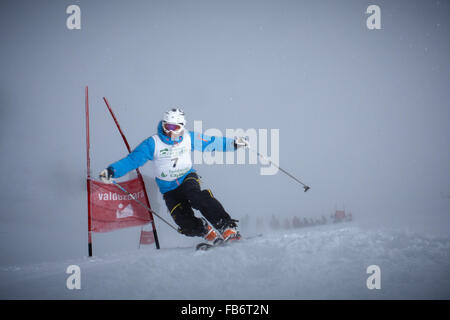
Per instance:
x=143, y=205
x=281, y=169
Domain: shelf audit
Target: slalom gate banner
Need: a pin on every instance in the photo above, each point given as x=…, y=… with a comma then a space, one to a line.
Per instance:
x=112, y=209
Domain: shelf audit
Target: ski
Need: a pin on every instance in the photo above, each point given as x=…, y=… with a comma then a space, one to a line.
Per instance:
x=206, y=246
x=203, y=246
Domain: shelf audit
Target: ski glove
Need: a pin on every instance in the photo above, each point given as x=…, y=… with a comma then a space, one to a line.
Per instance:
x=107, y=175
x=240, y=142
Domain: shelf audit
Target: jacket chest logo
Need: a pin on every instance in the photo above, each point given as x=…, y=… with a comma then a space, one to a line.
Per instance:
x=172, y=152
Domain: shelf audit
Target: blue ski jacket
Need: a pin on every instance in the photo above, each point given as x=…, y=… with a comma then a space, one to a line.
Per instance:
x=145, y=150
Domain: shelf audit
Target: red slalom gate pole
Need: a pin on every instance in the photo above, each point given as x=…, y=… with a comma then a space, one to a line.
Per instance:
x=137, y=170
x=88, y=165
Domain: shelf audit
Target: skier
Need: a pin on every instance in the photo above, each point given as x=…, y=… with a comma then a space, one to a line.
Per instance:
x=170, y=153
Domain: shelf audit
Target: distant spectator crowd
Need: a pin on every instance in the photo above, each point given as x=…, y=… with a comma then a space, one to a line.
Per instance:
x=276, y=222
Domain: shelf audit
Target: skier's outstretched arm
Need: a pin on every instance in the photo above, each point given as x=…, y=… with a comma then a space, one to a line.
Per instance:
x=135, y=159
x=201, y=142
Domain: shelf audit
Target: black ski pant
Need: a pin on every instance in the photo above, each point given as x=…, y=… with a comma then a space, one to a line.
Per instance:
x=188, y=195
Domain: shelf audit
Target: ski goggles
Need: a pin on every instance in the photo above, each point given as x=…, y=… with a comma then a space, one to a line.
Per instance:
x=172, y=126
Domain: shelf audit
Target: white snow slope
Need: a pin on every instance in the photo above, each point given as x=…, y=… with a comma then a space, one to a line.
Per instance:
x=325, y=262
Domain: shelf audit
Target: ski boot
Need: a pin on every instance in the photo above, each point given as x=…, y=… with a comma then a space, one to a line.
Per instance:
x=229, y=231
x=211, y=236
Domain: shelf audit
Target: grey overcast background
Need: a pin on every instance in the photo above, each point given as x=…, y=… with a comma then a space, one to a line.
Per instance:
x=364, y=115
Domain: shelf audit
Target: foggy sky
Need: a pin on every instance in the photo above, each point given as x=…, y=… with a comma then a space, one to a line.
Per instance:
x=363, y=115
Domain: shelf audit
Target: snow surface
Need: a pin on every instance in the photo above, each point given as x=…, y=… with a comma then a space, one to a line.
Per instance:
x=323, y=262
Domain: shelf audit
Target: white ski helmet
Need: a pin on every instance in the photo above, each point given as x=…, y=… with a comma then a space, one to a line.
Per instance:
x=174, y=121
